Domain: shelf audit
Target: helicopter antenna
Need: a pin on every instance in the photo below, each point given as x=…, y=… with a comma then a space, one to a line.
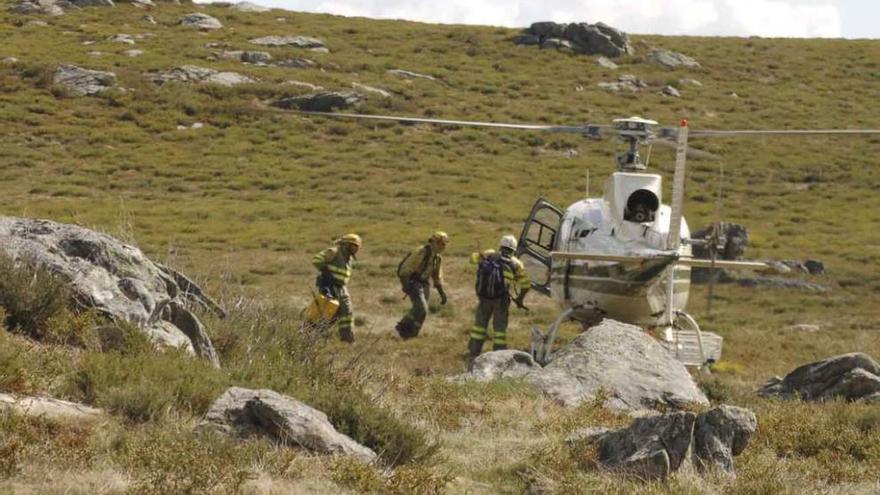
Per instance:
x=648, y=158
x=588, y=184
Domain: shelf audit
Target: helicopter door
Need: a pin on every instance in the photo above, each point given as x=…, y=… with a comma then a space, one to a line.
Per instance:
x=537, y=241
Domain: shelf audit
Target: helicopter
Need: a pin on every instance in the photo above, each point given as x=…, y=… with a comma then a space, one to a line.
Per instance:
x=616, y=256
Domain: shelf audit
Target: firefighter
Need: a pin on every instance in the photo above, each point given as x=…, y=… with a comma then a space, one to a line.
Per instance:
x=334, y=267
x=416, y=272
x=499, y=274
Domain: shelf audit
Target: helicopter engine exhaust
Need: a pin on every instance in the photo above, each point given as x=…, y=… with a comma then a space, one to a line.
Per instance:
x=641, y=206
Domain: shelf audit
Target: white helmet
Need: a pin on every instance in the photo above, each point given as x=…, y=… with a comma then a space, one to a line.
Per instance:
x=508, y=242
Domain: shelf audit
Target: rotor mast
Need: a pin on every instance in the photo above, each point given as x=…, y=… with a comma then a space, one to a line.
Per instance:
x=634, y=131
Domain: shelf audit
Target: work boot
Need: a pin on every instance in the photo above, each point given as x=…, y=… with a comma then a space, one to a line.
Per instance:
x=346, y=335
x=406, y=328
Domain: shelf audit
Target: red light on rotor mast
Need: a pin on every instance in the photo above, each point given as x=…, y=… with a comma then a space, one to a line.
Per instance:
x=683, y=123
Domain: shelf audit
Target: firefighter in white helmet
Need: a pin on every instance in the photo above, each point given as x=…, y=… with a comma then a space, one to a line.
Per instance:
x=334, y=267
x=499, y=275
x=417, y=271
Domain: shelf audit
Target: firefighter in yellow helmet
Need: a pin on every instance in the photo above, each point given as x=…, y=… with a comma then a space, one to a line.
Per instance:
x=416, y=272
x=499, y=275
x=334, y=267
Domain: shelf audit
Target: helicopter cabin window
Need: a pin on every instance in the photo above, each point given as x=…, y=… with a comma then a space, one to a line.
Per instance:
x=641, y=206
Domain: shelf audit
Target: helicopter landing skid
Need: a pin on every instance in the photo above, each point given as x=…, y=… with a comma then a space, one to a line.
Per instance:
x=689, y=344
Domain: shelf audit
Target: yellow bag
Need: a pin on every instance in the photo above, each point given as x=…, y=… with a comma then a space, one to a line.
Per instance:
x=322, y=309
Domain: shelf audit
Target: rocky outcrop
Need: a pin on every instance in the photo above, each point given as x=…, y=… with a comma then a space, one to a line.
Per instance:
x=852, y=377
x=583, y=38
x=200, y=21
x=244, y=412
x=196, y=74
x=49, y=408
x=37, y=7
x=115, y=279
x=248, y=7
x=606, y=63
x=671, y=60
x=320, y=102
x=295, y=41
x=626, y=83
x=625, y=363
x=82, y=82
x=371, y=90
x=652, y=448
x=296, y=63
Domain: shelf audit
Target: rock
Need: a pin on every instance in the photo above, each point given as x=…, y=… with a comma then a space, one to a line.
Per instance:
x=502, y=364
x=598, y=39
x=148, y=19
x=9, y=61
x=814, y=267
x=296, y=63
x=95, y=54
x=320, y=102
x=691, y=82
x=301, y=84
x=527, y=40
x=547, y=29
x=296, y=41
x=200, y=21
x=720, y=434
x=121, y=38
x=849, y=376
x=37, y=23
x=650, y=448
x=557, y=44
x=671, y=60
x=133, y=53
x=243, y=412
x=626, y=82
x=196, y=74
x=250, y=57
x=670, y=91
x=115, y=279
x=92, y=3
x=371, y=90
x=82, y=82
x=34, y=7
x=622, y=362
x=48, y=408
x=142, y=3
x=409, y=74
x=606, y=63
x=248, y=7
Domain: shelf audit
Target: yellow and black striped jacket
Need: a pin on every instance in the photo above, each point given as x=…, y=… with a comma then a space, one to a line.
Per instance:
x=334, y=262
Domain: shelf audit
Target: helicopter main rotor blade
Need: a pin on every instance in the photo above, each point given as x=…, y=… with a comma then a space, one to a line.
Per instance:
x=587, y=129
x=691, y=151
x=701, y=133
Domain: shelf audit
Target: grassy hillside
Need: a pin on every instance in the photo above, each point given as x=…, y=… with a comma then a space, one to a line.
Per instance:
x=244, y=202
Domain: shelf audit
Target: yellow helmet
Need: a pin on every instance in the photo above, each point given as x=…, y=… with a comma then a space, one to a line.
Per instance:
x=508, y=242
x=439, y=236
x=352, y=239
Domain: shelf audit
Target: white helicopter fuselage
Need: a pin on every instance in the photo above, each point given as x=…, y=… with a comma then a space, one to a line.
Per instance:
x=628, y=220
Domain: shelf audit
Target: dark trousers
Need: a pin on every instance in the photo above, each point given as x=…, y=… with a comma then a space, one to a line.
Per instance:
x=496, y=310
x=411, y=323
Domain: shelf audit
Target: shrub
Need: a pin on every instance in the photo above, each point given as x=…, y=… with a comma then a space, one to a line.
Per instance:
x=31, y=296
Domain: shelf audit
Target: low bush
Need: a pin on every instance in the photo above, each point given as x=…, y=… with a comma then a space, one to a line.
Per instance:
x=31, y=297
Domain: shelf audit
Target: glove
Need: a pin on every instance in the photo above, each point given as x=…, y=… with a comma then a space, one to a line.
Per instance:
x=519, y=301
x=442, y=295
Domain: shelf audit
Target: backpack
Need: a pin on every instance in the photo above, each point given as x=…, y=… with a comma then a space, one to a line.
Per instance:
x=422, y=265
x=490, y=278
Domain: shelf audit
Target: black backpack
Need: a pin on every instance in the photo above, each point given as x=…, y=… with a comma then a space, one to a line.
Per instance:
x=490, y=278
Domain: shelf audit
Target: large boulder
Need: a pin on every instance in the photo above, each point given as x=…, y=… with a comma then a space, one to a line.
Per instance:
x=721, y=434
x=245, y=412
x=502, y=364
x=853, y=376
x=196, y=74
x=622, y=363
x=116, y=279
x=295, y=41
x=671, y=60
x=200, y=21
x=654, y=447
x=83, y=82
x=248, y=7
x=627, y=82
x=583, y=38
x=48, y=408
x=325, y=101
